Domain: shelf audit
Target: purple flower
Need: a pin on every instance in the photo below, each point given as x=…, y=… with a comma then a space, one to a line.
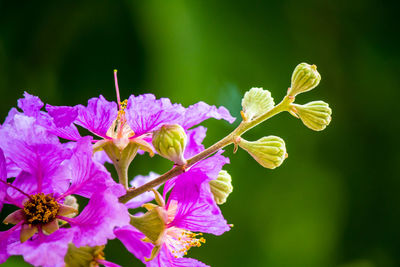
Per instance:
x=131, y=120
x=50, y=173
x=190, y=208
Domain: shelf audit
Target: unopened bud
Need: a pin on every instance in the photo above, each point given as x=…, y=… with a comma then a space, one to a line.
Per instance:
x=170, y=142
x=269, y=151
x=83, y=256
x=256, y=102
x=221, y=187
x=304, y=78
x=315, y=115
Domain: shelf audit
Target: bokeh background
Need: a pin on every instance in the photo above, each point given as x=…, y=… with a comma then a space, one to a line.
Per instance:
x=334, y=201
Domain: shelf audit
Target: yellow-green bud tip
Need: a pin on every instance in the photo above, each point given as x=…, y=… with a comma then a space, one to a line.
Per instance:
x=305, y=77
x=315, y=115
x=269, y=151
x=256, y=102
x=221, y=187
x=170, y=142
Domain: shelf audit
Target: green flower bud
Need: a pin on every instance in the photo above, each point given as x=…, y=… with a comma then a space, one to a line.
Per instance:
x=256, y=102
x=304, y=78
x=83, y=256
x=170, y=142
x=315, y=115
x=269, y=151
x=221, y=187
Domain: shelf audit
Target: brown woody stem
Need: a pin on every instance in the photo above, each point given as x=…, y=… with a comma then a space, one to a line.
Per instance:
x=243, y=127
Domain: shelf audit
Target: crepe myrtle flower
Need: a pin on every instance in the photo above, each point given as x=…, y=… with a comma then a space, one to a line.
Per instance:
x=164, y=234
x=127, y=126
x=133, y=119
x=48, y=177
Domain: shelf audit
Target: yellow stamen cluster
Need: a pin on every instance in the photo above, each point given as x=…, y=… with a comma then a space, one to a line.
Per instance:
x=41, y=209
x=121, y=111
x=186, y=241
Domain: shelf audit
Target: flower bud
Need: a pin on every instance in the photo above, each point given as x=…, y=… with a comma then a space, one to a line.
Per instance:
x=170, y=142
x=83, y=256
x=221, y=187
x=304, y=78
x=256, y=102
x=315, y=115
x=269, y=151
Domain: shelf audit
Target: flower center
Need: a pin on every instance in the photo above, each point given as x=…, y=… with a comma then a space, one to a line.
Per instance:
x=41, y=209
x=179, y=241
x=119, y=128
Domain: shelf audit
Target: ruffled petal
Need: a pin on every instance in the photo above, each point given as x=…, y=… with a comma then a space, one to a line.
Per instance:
x=145, y=113
x=96, y=223
x=195, y=138
x=166, y=258
x=62, y=115
x=101, y=157
x=31, y=148
x=43, y=250
x=30, y=104
x=6, y=238
x=86, y=175
x=197, y=210
x=98, y=116
x=131, y=238
x=201, y=111
x=3, y=178
x=145, y=197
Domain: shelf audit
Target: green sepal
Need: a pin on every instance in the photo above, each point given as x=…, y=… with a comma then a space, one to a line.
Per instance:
x=151, y=224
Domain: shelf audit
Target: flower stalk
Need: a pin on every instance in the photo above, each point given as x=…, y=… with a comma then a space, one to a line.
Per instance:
x=243, y=127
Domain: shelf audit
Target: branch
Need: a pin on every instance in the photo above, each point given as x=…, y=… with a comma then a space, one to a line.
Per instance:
x=243, y=127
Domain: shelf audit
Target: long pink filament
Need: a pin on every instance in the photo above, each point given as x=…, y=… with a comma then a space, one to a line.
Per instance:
x=117, y=89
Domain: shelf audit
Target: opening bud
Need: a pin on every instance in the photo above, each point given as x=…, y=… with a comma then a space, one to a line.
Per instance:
x=256, y=102
x=269, y=151
x=221, y=187
x=170, y=143
x=305, y=77
x=315, y=115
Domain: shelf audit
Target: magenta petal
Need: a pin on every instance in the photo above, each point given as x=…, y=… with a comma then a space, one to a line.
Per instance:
x=30, y=104
x=43, y=250
x=108, y=264
x=202, y=216
x=201, y=111
x=195, y=138
x=101, y=157
x=86, y=175
x=131, y=238
x=197, y=210
x=3, y=178
x=145, y=113
x=6, y=238
x=63, y=115
x=140, y=180
x=96, y=223
x=98, y=116
x=165, y=258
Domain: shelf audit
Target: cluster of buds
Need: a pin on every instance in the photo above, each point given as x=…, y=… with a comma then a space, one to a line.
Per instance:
x=258, y=105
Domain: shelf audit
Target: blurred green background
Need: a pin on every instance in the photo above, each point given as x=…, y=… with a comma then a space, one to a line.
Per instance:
x=334, y=201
